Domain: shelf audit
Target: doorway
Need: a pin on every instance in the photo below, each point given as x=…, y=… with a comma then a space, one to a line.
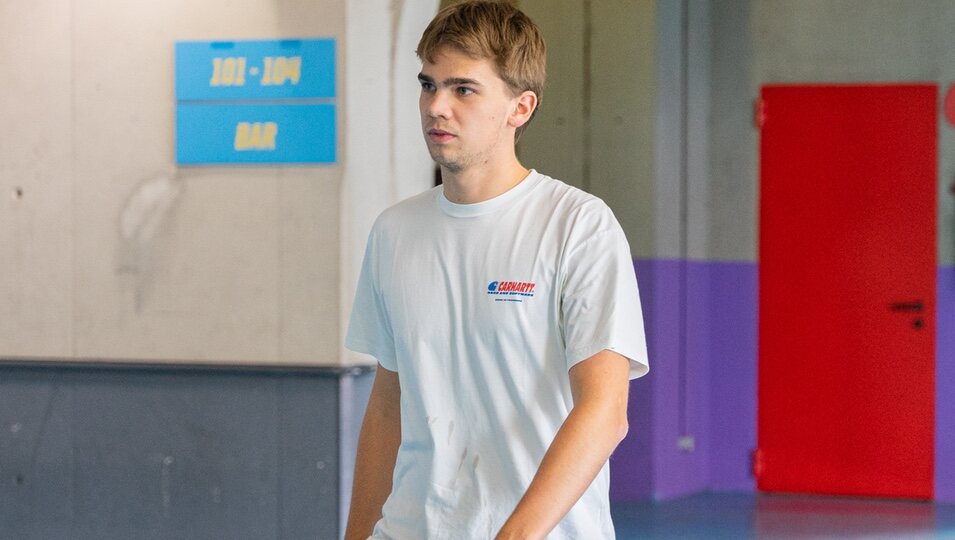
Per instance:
x=847, y=270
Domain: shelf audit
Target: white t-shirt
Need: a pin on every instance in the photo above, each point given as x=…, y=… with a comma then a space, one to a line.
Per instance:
x=482, y=309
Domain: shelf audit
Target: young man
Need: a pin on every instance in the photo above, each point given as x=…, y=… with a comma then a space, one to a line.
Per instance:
x=502, y=308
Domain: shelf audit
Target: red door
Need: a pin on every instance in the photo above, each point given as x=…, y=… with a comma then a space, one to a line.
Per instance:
x=847, y=270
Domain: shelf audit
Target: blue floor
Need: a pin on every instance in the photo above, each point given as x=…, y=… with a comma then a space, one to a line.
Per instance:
x=763, y=516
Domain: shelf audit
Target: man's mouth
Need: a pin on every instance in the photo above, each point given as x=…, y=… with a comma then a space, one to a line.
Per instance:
x=440, y=135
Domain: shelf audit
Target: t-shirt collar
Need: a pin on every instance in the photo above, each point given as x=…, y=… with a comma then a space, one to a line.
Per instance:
x=490, y=205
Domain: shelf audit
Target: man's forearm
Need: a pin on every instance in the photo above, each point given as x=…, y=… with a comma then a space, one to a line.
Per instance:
x=584, y=442
x=378, y=444
x=581, y=447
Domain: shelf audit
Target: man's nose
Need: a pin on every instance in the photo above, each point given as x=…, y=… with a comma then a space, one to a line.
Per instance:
x=439, y=106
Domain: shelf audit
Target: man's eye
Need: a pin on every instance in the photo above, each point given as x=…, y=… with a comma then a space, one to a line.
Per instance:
x=464, y=91
x=427, y=87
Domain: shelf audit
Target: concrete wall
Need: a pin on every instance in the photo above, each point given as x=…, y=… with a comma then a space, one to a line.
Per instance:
x=386, y=159
x=226, y=265
x=668, y=138
x=110, y=251
x=595, y=128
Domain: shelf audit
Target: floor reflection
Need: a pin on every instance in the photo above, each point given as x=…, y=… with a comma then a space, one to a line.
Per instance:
x=763, y=516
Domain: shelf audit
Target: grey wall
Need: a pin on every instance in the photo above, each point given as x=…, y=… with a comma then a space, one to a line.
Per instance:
x=134, y=452
x=770, y=41
x=595, y=128
x=650, y=104
x=626, y=114
x=682, y=146
x=733, y=165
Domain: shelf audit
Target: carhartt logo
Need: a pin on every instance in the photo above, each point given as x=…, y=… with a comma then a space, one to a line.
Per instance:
x=511, y=291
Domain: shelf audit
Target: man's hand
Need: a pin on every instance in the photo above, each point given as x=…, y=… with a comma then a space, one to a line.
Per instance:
x=595, y=426
x=377, y=451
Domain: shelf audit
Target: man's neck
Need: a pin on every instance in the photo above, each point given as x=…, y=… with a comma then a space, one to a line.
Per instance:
x=478, y=184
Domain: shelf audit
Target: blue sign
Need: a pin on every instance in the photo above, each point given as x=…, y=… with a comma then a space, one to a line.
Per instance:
x=280, y=69
x=255, y=134
x=255, y=102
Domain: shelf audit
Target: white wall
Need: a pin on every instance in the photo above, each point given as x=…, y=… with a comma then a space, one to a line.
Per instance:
x=110, y=252
x=36, y=158
x=386, y=158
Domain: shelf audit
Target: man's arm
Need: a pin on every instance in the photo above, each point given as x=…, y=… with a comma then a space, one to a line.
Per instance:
x=595, y=426
x=378, y=444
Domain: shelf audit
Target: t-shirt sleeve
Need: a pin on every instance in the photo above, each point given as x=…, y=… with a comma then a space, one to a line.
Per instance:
x=600, y=301
x=369, y=331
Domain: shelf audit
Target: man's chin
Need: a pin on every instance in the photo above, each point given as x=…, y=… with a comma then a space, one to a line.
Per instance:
x=446, y=163
x=450, y=167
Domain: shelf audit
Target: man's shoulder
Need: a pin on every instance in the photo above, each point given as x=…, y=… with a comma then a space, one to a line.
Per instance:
x=410, y=209
x=573, y=203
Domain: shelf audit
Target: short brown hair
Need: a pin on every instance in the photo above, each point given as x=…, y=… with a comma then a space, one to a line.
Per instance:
x=494, y=30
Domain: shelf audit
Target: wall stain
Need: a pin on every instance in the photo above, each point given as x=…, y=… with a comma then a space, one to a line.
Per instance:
x=142, y=218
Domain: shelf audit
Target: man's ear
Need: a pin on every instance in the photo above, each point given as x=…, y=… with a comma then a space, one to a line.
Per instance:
x=524, y=106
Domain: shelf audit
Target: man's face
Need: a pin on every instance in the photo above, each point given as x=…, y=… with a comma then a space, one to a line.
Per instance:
x=467, y=110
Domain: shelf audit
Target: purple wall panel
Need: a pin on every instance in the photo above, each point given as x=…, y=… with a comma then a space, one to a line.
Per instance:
x=713, y=399
x=944, y=382
x=719, y=408
x=656, y=401
x=698, y=373
x=631, y=466
x=672, y=476
x=733, y=341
